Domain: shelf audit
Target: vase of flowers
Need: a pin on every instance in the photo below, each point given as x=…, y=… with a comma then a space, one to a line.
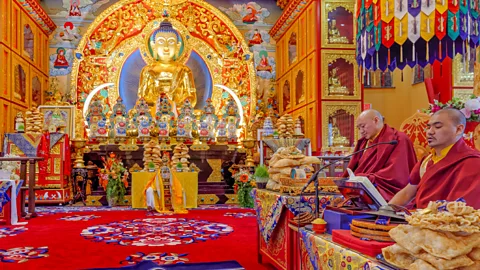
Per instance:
x=470, y=108
x=114, y=177
x=243, y=186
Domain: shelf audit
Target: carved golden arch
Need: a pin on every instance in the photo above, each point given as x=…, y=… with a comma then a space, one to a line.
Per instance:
x=121, y=28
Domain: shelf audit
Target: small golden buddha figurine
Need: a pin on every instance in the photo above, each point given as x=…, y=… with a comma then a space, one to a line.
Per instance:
x=335, y=87
x=338, y=139
x=165, y=74
x=334, y=34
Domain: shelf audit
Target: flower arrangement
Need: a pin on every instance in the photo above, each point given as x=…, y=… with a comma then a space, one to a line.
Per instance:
x=470, y=108
x=243, y=186
x=113, y=178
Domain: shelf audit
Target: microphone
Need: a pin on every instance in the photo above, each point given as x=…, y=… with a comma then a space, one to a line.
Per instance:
x=315, y=175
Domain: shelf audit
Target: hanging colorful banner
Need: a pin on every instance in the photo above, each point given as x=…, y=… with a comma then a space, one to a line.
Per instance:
x=395, y=33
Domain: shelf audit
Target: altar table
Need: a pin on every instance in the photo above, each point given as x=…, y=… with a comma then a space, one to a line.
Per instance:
x=189, y=181
x=276, y=241
x=322, y=253
x=139, y=181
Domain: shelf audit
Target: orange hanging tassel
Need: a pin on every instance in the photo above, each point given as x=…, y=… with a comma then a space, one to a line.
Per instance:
x=440, y=49
x=401, y=54
x=389, y=56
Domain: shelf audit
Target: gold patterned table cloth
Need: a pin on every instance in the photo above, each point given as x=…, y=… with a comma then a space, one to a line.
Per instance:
x=269, y=206
x=325, y=254
x=189, y=181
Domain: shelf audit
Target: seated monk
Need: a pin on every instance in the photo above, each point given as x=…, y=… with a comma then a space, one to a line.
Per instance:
x=387, y=166
x=450, y=171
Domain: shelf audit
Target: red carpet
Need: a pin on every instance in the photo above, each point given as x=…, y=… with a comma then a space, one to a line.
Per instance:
x=94, y=239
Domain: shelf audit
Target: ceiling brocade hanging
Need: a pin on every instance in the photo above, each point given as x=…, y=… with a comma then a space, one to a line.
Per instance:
x=396, y=33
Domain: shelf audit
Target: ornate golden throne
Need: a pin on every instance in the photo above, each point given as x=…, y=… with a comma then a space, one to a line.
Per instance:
x=415, y=127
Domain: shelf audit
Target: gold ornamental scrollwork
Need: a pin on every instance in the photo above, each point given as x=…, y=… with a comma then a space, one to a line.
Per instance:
x=55, y=149
x=329, y=6
x=463, y=94
x=216, y=175
x=461, y=76
x=127, y=47
x=331, y=56
x=330, y=107
x=207, y=29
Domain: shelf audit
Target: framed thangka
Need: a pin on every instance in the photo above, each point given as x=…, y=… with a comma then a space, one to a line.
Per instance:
x=419, y=74
x=378, y=79
x=338, y=24
x=292, y=48
x=21, y=82
x=28, y=41
x=61, y=117
x=37, y=88
x=339, y=76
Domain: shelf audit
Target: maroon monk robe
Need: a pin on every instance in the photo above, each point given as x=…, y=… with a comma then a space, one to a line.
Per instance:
x=387, y=166
x=456, y=175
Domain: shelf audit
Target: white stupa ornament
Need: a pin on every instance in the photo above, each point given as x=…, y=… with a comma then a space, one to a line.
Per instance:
x=298, y=127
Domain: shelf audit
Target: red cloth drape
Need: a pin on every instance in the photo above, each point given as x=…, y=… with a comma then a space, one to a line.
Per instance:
x=67, y=164
x=43, y=150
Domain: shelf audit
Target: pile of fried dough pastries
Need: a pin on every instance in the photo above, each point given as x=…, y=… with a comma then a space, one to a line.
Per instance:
x=445, y=235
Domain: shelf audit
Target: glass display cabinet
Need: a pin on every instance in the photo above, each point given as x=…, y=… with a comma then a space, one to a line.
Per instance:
x=338, y=24
x=339, y=132
x=339, y=75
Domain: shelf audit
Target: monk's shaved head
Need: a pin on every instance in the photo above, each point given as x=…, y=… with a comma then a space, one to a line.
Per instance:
x=445, y=128
x=456, y=116
x=371, y=114
x=370, y=123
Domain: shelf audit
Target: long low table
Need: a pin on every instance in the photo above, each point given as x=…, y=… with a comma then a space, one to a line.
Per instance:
x=277, y=243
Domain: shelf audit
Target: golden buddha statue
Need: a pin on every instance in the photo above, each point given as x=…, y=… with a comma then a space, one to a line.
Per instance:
x=335, y=87
x=338, y=139
x=165, y=74
x=334, y=35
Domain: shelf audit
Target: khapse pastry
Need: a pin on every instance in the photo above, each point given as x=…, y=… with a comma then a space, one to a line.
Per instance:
x=445, y=235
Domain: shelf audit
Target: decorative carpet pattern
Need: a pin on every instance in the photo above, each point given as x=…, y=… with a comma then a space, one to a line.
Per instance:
x=158, y=258
x=240, y=215
x=51, y=210
x=22, y=254
x=79, y=218
x=118, y=237
x=11, y=231
x=156, y=232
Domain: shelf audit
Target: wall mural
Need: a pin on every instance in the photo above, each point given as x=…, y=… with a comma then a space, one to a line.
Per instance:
x=253, y=19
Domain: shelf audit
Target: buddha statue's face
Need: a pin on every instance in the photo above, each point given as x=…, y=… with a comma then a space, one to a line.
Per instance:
x=166, y=46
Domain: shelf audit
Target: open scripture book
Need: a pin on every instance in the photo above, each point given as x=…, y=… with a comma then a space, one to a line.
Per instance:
x=361, y=192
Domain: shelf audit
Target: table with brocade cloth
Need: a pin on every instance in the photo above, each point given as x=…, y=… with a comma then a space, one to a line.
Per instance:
x=322, y=253
x=276, y=240
x=52, y=173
